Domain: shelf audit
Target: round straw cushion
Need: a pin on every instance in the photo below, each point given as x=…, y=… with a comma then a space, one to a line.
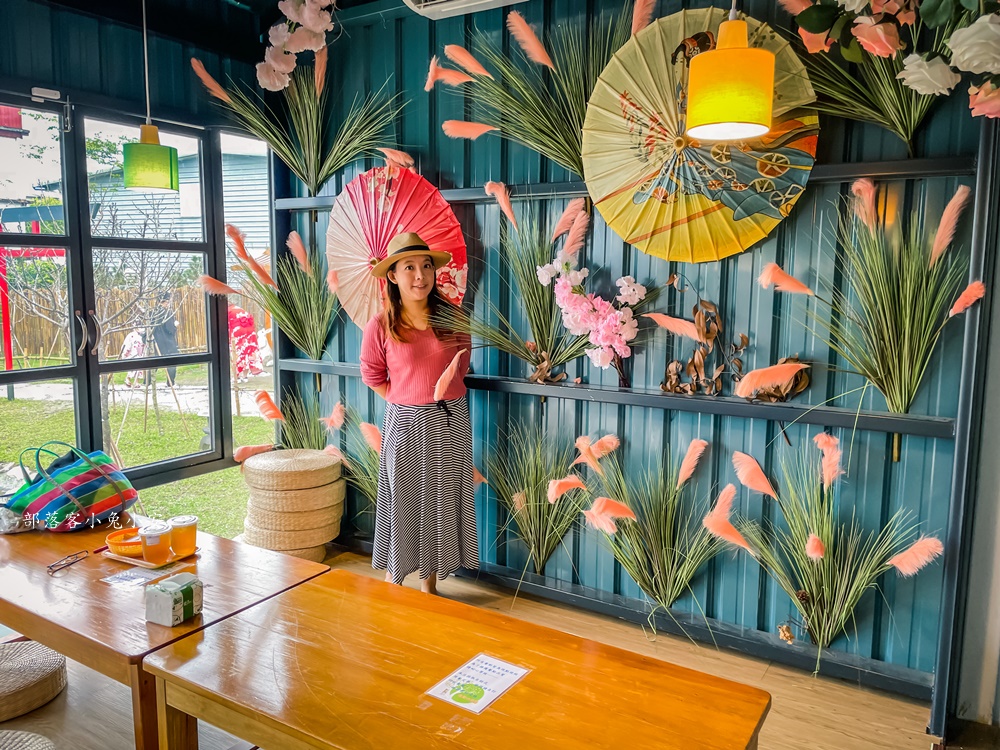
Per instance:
x=30, y=676
x=286, y=540
x=10, y=740
x=294, y=521
x=290, y=470
x=298, y=501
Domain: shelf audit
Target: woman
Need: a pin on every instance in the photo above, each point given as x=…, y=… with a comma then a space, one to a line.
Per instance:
x=425, y=517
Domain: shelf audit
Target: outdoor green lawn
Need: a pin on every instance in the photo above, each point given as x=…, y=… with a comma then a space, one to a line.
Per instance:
x=218, y=499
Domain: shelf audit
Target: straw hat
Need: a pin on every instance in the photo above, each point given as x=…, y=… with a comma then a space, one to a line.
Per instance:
x=407, y=245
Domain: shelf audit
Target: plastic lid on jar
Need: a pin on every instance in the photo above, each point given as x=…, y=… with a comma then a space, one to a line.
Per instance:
x=155, y=529
x=183, y=521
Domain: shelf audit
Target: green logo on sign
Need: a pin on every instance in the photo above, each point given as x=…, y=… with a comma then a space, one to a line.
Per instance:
x=467, y=693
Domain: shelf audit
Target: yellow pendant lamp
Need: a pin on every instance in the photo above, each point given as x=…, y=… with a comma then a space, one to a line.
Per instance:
x=730, y=88
x=147, y=166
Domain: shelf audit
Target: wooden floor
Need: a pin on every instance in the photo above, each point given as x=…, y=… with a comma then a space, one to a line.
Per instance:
x=807, y=712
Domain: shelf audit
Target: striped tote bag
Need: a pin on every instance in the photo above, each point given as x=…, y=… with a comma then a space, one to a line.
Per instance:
x=76, y=491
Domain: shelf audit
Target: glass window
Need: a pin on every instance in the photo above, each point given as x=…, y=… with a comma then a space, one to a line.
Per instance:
x=218, y=499
x=158, y=414
x=246, y=205
x=32, y=414
x=149, y=303
x=30, y=171
x=35, y=320
x=117, y=212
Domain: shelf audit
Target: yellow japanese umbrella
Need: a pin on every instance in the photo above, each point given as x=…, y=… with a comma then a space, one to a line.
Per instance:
x=676, y=197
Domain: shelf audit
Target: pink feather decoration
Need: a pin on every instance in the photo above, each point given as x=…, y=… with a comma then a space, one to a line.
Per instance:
x=690, y=462
x=398, y=159
x=972, y=294
x=642, y=14
x=529, y=41
x=298, y=249
x=677, y=326
x=478, y=478
x=815, y=549
x=750, y=474
x=605, y=506
x=920, y=553
x=831, y=457
x=559, y=487
x=565, y=222
x=577, y=236
x=605, y=445
x=214, y=286
x=336, y=419
x=499, y=191
x=772, y=274
x=587, y=455
x=864, y=201
x=208, y=82
x=717, y=521
x=766, y=377
x=519, y=499
x=372, y=436
x=949, y=222
x=319, y=71
x=600, y=522
x=239, y=242
x=462, y=129
x=332, y=281
x=795, y=6
x=446, y=75
x=462, y=57
x=244, y=452
x=333, y=450
x=441, y=387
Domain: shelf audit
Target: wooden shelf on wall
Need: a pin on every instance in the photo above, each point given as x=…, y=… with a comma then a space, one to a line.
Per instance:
x=726, y=406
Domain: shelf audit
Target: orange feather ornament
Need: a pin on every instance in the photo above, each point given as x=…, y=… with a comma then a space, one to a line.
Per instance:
x=208, y=82
x=577, y=236
x=972, y=294
x=443, y=382
x=465, y=59
x=499, y=191
x=372, y=436
x=772, y=275
x=319, y=70
x=398, y=159
x=244, y=452
x=298, y=249
x=559, y=487
x=642, y=14
x=268, y=409
x=565, y=222
x=750, y=474
x=529, y=41
x=949, y=222
x=214, y=286
x=920, y=553
x=677, y=326
x=239, y=242
x=815, y=549
x=463, y=129
x=767, y=377
x=690, y=462
x=336, y=419
x=717, y=521
x=446, y=75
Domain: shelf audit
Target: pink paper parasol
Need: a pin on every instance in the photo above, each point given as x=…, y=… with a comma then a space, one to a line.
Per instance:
x=375, y=207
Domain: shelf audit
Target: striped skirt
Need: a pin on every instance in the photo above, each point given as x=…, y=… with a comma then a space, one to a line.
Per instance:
x=425, y=517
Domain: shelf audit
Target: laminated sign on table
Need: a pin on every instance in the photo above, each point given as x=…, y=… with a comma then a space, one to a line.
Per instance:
x=478, y=682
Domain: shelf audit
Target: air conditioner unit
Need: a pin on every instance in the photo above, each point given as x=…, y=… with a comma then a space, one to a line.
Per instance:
x=437, y=9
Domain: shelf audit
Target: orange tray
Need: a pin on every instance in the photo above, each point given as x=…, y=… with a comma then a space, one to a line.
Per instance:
x=139, y=562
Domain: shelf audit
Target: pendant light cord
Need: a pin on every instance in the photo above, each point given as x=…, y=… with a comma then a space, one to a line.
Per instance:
x=732, y=17
x=145, y=57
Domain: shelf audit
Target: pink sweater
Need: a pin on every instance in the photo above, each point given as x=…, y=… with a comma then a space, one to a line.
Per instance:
x=411, y=368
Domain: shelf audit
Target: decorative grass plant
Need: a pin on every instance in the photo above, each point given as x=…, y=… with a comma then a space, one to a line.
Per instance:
x=901, y=287
x=301, y=427
x=523, y=249
x=664, y=545
x=530, y=477
x=532, y=97
x=303, y=300
x=303, y=135
x=823, y=565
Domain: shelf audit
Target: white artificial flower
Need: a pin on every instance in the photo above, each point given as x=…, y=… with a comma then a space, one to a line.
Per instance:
x=928, y=77
x=853, y=6
x=976, y=48
x=292, y=9
x=278, y=34
x=576, y=277
x=601, y=357
x=271, y=79
x=280, y=60
x=630, y=293
x=303, y=39
x=546, y=273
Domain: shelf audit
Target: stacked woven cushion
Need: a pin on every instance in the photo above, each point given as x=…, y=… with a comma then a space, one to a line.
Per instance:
x=296, y=502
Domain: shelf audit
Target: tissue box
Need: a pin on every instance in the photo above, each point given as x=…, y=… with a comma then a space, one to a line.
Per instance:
x=173, y=600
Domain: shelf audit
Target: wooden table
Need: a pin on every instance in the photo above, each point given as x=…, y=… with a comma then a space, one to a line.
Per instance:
x=105, y=628
x=343, y=661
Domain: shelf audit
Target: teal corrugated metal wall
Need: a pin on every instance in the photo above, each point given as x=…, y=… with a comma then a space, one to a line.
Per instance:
x=902, y=630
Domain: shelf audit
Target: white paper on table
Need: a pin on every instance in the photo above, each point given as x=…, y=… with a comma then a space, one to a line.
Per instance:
x=140, y=576
x=478, y=682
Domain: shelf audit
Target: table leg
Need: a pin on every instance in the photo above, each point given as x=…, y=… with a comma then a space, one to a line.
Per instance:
x=143, y=707
x=177, y=730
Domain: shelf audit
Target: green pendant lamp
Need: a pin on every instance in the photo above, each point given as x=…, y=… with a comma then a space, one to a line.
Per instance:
x=149, y=167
